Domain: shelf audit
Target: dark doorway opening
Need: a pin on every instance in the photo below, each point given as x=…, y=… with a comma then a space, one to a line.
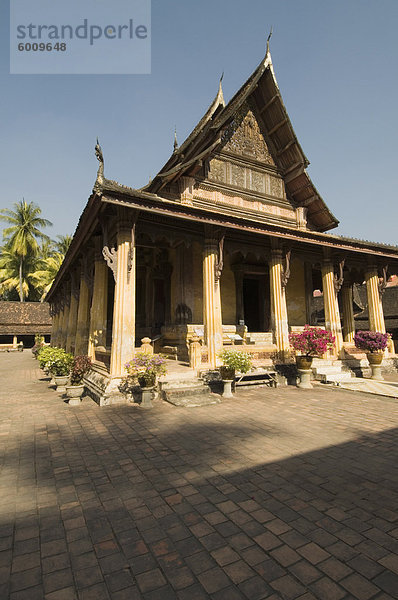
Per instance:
x=251, y=304
x=159, y=304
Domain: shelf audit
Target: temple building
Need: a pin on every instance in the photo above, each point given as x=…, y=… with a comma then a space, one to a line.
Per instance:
x=225, y=245
x=21, y=321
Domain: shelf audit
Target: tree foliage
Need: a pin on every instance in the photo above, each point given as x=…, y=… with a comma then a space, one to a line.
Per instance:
x=29, y=259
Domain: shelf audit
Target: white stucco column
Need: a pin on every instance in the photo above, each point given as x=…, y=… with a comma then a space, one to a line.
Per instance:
x=279, y=322
x=123, y=331
x=331, y=305
x=212, y=318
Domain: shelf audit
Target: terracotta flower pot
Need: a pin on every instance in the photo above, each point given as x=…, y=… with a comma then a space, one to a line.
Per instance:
x=304, y=362
x=375, y=358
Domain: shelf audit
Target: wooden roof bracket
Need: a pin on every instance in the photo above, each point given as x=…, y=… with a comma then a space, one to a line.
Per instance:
x=288, y=145
x=271, y=101
x=277, y=126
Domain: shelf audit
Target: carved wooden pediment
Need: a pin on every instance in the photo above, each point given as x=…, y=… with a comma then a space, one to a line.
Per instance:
x=244, y=138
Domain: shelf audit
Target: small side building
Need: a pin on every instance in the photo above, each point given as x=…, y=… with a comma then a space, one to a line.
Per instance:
x=21, y=321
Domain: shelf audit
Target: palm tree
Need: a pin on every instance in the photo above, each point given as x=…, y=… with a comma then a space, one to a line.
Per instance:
x=63, y=243
x=23, y=233
x=45, y=274
x=10, y=281
x=46, y=248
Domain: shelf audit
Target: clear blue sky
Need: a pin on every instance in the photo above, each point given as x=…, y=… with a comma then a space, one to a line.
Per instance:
x=336, y=65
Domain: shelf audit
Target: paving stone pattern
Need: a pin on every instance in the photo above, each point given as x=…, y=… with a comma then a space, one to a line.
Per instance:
x=276, y=493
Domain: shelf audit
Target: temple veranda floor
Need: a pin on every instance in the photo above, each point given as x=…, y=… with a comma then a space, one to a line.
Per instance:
x=277, y=493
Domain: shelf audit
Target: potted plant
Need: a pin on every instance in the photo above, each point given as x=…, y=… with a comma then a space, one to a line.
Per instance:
x=38, y=345
x=373, y=343
x=233, y=360
x=80, y=366
x=43, y=356
x=309, y=343
x=59, y=366
x=145, y=368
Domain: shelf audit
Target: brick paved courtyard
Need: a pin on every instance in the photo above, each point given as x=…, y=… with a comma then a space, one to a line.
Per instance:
x=274, y=494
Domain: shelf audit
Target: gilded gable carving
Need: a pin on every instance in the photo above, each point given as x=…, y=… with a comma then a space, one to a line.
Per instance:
x=243, y=137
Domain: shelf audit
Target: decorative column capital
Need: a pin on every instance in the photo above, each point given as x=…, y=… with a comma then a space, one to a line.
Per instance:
x=98, y=245
x=277, y=256
x=327, y=263
x=214, y=242
x=276, y=253
x=67, y=294
x=74, y=284
x=86, y=272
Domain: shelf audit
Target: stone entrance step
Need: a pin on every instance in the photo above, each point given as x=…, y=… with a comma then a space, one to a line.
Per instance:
x=262, y=337
x=191, y=397
x=186, y=389
x=330, y=371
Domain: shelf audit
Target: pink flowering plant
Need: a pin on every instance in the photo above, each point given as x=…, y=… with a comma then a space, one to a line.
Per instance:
x=145, y=368
x=313, y=341
x=371, y=341
x=80, y=366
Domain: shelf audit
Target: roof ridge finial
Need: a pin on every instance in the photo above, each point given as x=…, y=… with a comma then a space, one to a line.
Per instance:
x=268, y=39
x=175, y=139
x=100, y=158
x=220, y=92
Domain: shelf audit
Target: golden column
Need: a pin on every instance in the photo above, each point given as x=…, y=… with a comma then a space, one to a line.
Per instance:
x=72, y=322
x=375, y=307
x=122, y=262
x=98, y=314
x=279, y=321
x=59, y=328
x=55, y=328
x=63, y=326
x=57, y=337
x=331, y=305
x=83, y=315
x=212, y=319
x=66, y=322
x=348, y=313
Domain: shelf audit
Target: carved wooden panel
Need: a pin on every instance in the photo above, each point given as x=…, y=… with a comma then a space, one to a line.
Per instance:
x=276, y=187
x=217, y=170
x=243, y=137
x=238, y=176
x=257, y=182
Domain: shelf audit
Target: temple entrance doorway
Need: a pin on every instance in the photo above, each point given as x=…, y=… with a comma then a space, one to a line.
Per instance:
x=159, y=305
x=252, y=303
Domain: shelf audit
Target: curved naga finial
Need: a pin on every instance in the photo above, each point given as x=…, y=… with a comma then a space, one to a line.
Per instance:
x=100, y=158
x=339, y=280
x=175, y=139
x=286, y=269
x=383, y=281
x=110, y=256
x=219, y=264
